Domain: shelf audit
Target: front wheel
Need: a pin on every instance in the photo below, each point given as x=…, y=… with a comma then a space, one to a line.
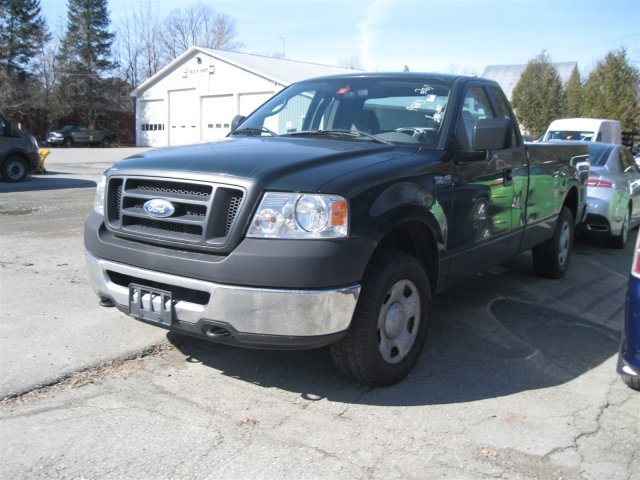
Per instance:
x=67, y=143
x=551, y=259
x=14, y=169
x=389, y=326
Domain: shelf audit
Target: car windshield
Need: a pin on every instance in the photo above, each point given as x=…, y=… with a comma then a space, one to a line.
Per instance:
x=68, y=127
x=598, y=154
x=405, y=111
x=570, y=135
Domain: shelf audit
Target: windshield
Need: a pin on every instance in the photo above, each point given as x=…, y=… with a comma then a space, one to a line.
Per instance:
x=570, y=135
x=68, y=127
x=409, y=111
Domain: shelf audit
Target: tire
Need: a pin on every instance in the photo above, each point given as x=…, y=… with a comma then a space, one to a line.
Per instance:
x=619, y=241
x=14, y=169
x=106, y=142
x=632, y=381
x=68, y=142
x=390, y=322
x=551, y=259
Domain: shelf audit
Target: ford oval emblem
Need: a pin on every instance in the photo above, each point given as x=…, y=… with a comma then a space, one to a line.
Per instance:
x=159, y=207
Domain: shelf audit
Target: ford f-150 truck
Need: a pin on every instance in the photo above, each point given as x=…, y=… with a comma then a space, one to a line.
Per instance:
x=331, y=215
x=78, y=134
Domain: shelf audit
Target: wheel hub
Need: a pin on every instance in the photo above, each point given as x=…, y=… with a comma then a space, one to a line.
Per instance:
x=399, y=321
x=395, y=320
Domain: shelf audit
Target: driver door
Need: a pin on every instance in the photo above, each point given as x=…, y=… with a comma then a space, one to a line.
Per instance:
x=485, y=207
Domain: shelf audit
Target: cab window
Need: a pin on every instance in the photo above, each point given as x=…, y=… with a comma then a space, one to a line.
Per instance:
x=504, y=111
x=476, y=106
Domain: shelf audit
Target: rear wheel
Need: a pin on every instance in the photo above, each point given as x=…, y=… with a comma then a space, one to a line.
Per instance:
x=389, y=325
x=619, y=241
x=14, y=169
x=551, y=259
x=106, y=142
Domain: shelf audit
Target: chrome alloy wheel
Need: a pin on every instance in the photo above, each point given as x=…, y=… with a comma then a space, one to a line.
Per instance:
x=399, y=321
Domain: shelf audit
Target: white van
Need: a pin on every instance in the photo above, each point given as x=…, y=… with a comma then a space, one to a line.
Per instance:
x=585, y=129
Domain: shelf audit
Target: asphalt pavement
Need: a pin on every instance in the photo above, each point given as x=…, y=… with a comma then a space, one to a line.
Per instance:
x=517, y=381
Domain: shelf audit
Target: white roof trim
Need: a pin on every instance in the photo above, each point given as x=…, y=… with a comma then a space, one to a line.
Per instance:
x=162, y=72
x=220, y=55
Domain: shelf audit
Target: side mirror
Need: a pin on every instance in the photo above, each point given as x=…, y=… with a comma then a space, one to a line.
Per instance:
x=492, y=134
x=237, y=121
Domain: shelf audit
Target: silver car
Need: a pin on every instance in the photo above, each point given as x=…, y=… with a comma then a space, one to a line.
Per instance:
x=613, y=193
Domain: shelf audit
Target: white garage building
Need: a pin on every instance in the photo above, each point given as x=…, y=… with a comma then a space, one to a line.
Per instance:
x=196, y=96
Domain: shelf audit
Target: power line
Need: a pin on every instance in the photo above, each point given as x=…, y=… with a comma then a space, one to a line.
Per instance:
x=599, y=44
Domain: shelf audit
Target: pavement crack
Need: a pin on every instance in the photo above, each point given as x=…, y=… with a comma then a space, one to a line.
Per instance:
x=83, y=377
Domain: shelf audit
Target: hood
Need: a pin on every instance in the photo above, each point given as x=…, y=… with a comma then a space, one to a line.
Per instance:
x=288, y=164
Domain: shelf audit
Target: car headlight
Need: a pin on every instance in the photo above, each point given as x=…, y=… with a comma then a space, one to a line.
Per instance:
x=300, y=215
x=98, y=202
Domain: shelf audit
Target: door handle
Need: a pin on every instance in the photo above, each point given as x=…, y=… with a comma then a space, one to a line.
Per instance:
x=507, y=177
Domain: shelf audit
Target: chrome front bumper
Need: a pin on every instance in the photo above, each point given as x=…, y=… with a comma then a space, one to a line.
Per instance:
x=250, y=311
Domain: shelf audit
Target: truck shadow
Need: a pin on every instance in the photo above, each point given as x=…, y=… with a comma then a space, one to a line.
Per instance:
x=473, y=352
x=499, y=333
x=52, y=181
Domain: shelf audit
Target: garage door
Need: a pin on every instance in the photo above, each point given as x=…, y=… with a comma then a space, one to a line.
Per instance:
x=248, y=102
x=152, y=129
x=184, y=117
x=217, y=113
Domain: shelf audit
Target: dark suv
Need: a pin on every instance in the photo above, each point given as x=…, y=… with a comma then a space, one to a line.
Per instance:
x=18, y=151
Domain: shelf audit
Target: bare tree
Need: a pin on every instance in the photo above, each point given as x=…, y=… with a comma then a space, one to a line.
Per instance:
x=352, y=62
x=45, y=69
x=197, y=25
x=139, y=44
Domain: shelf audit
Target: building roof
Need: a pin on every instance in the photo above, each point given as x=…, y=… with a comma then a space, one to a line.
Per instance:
x=508, y=76
x=278, y=70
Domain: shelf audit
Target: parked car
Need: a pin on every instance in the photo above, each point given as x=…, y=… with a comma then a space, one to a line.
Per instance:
x=18, y=151
x=78, y=134
x=629, y=356
x=613, y=193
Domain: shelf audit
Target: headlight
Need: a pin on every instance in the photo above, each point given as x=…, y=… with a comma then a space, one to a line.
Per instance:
x=98, y=202
x=299, y=215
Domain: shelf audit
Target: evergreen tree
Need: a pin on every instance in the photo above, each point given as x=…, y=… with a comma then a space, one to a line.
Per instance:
x=538, y=97
x=613, y=91
x=573, y=95
x=23, y=31
x=84, y=60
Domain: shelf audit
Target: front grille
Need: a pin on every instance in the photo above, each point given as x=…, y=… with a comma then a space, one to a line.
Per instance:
x=204, y=213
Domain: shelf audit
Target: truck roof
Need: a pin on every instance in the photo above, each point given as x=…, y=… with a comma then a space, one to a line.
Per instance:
x=387, y=75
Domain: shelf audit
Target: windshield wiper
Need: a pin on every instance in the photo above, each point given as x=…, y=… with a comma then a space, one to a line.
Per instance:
x=348, y=133
x=253, y=131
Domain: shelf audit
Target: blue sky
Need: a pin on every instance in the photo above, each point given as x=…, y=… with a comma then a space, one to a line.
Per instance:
x=458, y=36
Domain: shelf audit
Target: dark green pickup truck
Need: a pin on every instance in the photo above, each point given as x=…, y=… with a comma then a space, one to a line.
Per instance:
x=331, y=215
x=78, y=134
